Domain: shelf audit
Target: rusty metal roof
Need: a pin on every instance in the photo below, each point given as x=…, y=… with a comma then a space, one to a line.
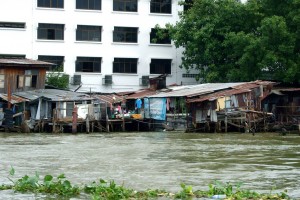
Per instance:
x=219, y=94
x=109, y=98
x=53, y=95
x=260, y=82
x=14, y=99
x=22, y=62
x=249, y=85
x=195, y=90
x=207, y=88
x=141, y=94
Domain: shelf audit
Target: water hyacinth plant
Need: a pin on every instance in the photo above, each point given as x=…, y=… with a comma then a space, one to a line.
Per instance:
x=49, y=185
x=62, y=188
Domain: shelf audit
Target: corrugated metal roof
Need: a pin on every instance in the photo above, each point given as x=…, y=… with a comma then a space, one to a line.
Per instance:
x=141, y=94
x=14, y=99
x=249, y=85
x=53, y=95
x=109, y=98
x=194, y=90
x=260, y=82
x=24, y=61
x=216, y=95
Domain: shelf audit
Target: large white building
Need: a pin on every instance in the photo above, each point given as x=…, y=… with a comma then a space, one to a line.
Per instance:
x=105, y=45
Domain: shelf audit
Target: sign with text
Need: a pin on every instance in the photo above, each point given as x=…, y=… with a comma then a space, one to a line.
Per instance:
x=157, y=108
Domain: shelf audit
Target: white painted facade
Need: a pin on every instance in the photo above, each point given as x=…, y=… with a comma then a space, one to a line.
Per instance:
x=25, y=42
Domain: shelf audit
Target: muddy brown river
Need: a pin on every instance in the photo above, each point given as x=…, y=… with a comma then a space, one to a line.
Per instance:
x=155, y=160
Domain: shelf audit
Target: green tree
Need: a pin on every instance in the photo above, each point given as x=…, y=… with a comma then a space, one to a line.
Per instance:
x=227, y=40
x=58, y=79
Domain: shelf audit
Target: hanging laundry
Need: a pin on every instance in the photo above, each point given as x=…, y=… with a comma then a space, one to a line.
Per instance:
x=138, y=103
x=168, y=104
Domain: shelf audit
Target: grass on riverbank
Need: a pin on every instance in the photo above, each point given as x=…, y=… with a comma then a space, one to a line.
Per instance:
x=111, y=191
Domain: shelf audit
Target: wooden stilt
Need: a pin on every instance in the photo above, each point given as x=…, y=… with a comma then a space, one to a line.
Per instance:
x=74, y=120
x=123, y=124
x=43, y=126
x=87, y=121
x=226, y=125
x=264, y=116
x=54, y=121
x=107, y=126
x=215, y=127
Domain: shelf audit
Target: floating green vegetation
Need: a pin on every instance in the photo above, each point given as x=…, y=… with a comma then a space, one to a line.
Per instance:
x=102, y=189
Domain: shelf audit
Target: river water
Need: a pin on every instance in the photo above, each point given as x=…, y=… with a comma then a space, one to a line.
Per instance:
x=156, y=160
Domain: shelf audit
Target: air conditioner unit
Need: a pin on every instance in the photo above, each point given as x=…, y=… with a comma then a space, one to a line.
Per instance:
x=76, y=79
x=107, y=80
x=144, y=81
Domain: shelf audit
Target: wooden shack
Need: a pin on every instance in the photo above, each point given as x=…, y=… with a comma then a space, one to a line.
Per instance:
x=53, y=110
x=284, y=103
x=18, y=75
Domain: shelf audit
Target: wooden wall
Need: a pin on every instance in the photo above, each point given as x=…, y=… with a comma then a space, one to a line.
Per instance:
x=11, y=78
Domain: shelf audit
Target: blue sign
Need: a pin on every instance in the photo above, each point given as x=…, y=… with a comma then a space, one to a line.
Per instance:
x=157, y=108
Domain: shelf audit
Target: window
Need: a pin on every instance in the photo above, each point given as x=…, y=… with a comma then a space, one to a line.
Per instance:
x=20, y=81
x=31, y=78
x=189, y=75
x=12, y=25
x=125, y=65
x=51, y=3
x=88, y=4
x=51, y=31
x=125, y=5
x=2, y=81
x=160, y=66
x=57, y=60
x=125, y=34
x=88, y=33
x=12, y=56
x=159, y=39
x=31, y=81
x=69, y=109
x=161, y=6
x=88, y=64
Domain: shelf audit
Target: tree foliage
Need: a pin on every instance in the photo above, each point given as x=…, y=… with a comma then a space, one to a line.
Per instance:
x=227, y=40
x=58, y=79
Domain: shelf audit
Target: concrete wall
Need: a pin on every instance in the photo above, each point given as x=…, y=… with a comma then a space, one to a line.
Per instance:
x=24, y=41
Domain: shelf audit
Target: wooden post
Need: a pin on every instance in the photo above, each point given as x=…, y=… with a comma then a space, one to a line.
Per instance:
x=186, y=116
x=226, y=125
x=99, y=126
x=107, y=118
x=264, y=115
x=215, y=123
x=74, y=119
x=54, y=121
x=123, y=122
x=249, y=121
x=87, y=121
x=8, y=94
x=43, y=125
x=107, y=124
